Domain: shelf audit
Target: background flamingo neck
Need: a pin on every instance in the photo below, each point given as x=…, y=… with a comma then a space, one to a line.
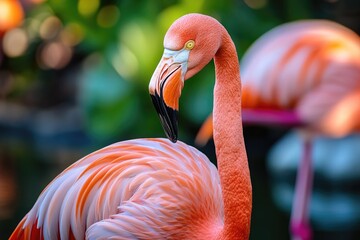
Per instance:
x=230, y=147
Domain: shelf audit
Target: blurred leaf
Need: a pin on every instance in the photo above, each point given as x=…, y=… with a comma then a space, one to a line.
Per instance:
x=138, y=50
x=197, y=97
x=108, y=102
x=97, y=36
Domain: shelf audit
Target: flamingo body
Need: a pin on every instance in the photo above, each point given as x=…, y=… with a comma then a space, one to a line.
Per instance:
x=137, y=189
x=152, y=188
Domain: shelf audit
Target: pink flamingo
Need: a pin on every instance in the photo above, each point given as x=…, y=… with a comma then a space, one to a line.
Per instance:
x=154, y=188
x=304, y=74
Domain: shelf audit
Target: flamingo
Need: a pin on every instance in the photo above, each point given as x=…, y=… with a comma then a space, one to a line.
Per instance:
x=156, y=188
x=303, y=74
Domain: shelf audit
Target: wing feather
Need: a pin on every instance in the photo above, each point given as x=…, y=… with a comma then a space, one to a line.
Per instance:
x=134, y=189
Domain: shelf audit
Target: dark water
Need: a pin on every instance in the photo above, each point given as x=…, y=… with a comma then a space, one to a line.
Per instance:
x=27, y=165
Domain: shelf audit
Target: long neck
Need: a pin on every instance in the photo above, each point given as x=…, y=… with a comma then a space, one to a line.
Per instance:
x=230, y=147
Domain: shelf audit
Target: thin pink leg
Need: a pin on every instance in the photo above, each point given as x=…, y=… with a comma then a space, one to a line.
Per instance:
x=299, y=223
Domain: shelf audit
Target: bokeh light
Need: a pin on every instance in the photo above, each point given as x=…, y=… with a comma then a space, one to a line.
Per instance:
x=54, y=55
x=50, y=28
x=88, y=7
x=11, y=14
x=72, y=34
x=108, y=16
x=125, y=62
x=15, y=42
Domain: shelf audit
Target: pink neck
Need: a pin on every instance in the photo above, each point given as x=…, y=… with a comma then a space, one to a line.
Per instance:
x=230, y=147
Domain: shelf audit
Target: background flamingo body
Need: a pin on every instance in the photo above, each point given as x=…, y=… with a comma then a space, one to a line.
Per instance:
x=309, y=67
x=312, y=68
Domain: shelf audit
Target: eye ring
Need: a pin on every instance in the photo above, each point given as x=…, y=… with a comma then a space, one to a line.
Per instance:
x=190, y=44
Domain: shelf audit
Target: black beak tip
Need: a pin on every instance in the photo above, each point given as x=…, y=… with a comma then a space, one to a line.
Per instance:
x=172, y=138
x=168, y=117
x=170, y=130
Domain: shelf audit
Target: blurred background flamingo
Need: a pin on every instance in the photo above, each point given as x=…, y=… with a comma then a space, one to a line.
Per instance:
x=305, y=73
x=311, y=67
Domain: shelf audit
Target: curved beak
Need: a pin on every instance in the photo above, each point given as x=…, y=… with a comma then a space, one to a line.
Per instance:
x=165, y=89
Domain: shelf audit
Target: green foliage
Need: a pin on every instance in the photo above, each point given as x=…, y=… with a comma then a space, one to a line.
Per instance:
x=125, y=39
x=108, y=101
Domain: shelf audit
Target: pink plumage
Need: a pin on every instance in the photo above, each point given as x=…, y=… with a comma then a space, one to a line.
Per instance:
x=307, y=66
x=152, y=188
x=103, y=194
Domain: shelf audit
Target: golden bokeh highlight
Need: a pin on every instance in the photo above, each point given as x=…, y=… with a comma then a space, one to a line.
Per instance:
x=88, y=7
x=108, y=16
x=72, y=34
x=15, y=42
x=50, y=28
x=11, y=15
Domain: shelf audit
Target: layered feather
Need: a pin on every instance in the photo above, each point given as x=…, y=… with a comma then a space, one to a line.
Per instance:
x=145, y=188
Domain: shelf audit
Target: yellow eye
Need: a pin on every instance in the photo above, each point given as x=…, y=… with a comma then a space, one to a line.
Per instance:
x=190, y=44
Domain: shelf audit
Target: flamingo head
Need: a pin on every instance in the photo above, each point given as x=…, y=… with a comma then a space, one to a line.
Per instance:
x=190, y=44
